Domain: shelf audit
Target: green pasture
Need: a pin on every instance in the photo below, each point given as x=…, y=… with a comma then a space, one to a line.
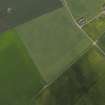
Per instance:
x=74, y=87
x=96, y=28
x=84, y=101
x=96, y=94
x=101, y=42
x=93, y=61
x=84, y=8
x=53, y=42
x=19, y=78
x=65, y=90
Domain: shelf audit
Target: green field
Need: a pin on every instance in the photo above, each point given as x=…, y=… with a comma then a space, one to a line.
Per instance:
x=19, y=78
x=96, y=95
x=101, y=42
x=84, y=101
x=93, y=61
x=84, y=8
x=21, y=11
x=94, y=65
x=64, y=91
x=46, y=59
x=53, y=41
x=76, y=85
x=96, y=28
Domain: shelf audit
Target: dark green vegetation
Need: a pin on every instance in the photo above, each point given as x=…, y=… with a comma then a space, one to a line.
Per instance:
x=96, y=28
x=14, y=12
x=19, y=78
x=101, y=41
x=53, y=42
x=96, y=95
x=74, y=87
x=93, y=61
x=84, y=101
x=52, y=48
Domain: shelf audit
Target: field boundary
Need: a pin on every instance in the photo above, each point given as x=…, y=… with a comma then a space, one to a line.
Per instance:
x=85, y=33
x=94, y=43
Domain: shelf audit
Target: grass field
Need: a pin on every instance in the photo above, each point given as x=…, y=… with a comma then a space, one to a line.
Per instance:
x=77, y=85
x=101, y=42
x=93, y=61
x=65, y=90
x=46, y=59
x=96, y=28
x=21, y=11
x=84, y=8
x=19, y=78
x=96, y=95
x=84, y=101
x=53, y=42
